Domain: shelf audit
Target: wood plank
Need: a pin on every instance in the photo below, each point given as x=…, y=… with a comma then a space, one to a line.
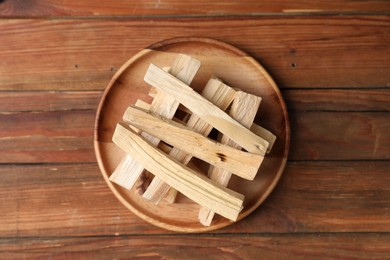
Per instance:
x=339, y=136
x=18, y=101
x=66, y=136
x=47, y=136
x=175, y=7
x=278, y=246
x=206, y=110
x=363, y=100
x=192, y=184
x=37, y=148
x=61, y=200
x=338, y=100
x=327, y=196
x=78, y=123
x=285, y=46
x=73, y=200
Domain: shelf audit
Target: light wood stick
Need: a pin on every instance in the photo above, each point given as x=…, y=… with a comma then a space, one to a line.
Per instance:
x=244, y=109
x=153, y=91
x=255, y=128
x=195, y=186
x=221, y=95
x=265, y=134
x=142, y=104
x=184, y=68
x=240, y=163
x=206, y=110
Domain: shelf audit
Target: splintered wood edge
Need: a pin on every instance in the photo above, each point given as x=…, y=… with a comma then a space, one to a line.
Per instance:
x=195, y=186
x=205, y=110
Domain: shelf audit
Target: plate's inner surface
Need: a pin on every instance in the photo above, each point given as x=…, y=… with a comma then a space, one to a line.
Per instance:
x=235, y=69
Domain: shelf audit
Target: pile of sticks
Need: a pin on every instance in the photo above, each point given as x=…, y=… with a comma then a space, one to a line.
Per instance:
x=155, y=140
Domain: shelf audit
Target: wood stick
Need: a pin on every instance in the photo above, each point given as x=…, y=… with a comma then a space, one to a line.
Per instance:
x=184, y=68
x=265, y=134
x=255, y=128
x=244, y=109
x=240, y=163
x=206, y=110
x=218, y=93
x=153, y=91
x=195, y=186
x=142, y=104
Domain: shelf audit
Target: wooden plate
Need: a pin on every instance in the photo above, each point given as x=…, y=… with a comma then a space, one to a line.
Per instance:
x=235, y=68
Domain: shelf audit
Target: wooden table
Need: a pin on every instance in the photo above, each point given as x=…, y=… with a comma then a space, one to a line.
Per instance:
x=331, y=61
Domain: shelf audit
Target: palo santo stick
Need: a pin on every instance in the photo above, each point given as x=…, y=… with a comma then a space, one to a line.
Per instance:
x=185, y=68
x=218, y=93
x=195, y=186
x=255, y=128
x=153, y=91
x=240, y=163
x=205, y=109
x=265, y=134
x=244, y=109
x=142, y=104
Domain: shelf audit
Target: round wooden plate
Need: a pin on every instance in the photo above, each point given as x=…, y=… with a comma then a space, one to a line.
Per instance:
x=236, y=69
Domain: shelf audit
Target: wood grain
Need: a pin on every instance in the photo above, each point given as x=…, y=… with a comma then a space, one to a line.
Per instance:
x=338, y=100
x=73, y=199
x=340, y=136
x=57, y=200
x=45, y=8
x=310, y=246
x=27, y=101
x=358, y=100
x=66, y=136
x=299, y=52
x=47, y=136
x=328, y=196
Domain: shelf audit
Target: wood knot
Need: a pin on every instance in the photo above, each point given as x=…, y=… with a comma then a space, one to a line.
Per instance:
x=221, y=156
